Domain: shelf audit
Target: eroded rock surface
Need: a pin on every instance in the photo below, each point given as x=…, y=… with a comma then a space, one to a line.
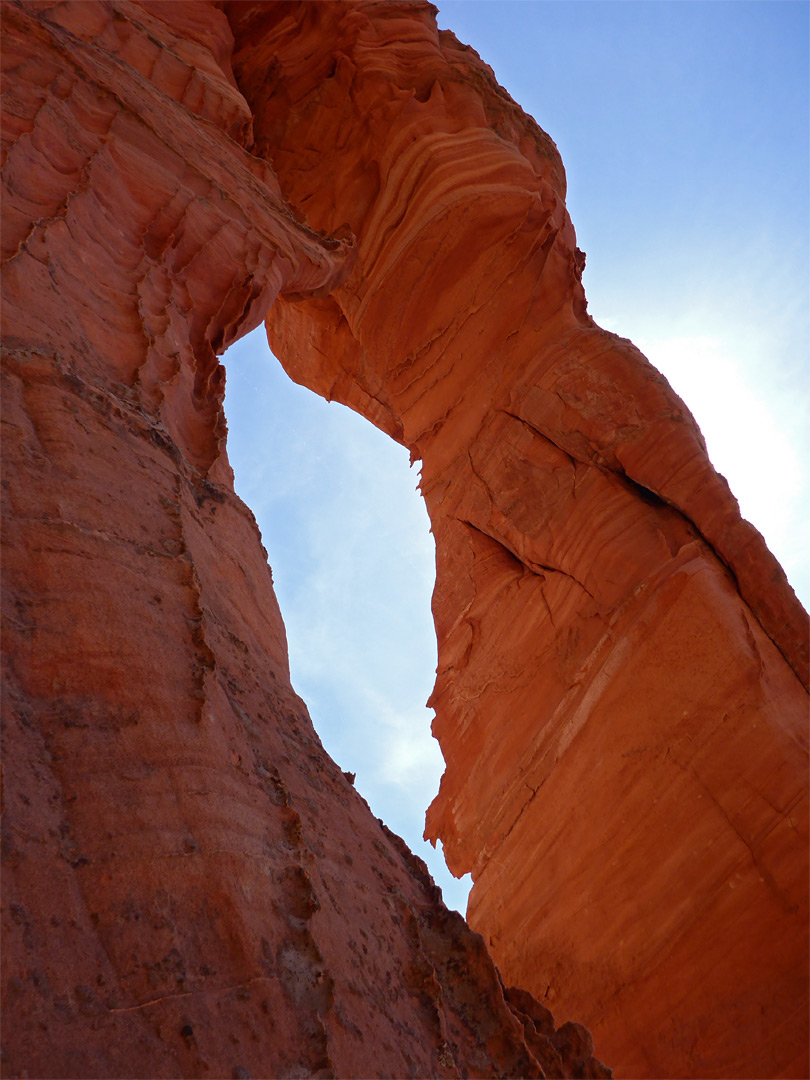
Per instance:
x=191, y=887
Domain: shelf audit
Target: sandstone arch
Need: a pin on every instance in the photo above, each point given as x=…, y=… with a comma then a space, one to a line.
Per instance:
x=620, y=657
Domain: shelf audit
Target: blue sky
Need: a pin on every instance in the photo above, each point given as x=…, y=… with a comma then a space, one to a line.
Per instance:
x=685, y=135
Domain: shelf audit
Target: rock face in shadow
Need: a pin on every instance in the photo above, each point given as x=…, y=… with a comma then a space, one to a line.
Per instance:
x=190, y=885
x=621, y=696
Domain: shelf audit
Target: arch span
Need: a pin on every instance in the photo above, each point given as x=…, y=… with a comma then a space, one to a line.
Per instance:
x=619, y=756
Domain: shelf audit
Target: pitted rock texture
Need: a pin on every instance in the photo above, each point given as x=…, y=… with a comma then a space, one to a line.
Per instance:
x=621, y=695
x=191, y=887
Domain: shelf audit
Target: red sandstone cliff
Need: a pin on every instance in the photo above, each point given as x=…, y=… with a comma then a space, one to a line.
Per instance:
x=191, y=887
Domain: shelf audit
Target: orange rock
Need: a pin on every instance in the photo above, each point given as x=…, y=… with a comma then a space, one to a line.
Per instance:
x=621, y=695
x=191, y=887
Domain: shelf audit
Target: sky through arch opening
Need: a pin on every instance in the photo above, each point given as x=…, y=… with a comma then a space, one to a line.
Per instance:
x=348, y=540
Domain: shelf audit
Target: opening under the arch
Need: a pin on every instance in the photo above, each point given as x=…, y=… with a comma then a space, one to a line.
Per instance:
x=348, y=539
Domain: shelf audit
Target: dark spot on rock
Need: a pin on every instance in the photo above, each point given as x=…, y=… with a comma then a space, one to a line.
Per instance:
x=187, y=1031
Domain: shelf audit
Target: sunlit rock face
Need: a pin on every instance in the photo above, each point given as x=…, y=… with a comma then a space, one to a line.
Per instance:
x=191, y=887
x=621, y=695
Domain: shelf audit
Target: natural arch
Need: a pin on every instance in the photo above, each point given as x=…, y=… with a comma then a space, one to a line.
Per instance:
x=594, y=575
x=195, y=886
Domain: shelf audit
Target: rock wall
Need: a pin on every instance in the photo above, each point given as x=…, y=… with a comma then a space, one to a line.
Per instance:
x=191, y=887
x=621, y=695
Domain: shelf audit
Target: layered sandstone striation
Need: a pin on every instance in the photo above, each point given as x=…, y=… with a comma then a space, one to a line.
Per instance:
x=621, y=695
x=191, y=887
